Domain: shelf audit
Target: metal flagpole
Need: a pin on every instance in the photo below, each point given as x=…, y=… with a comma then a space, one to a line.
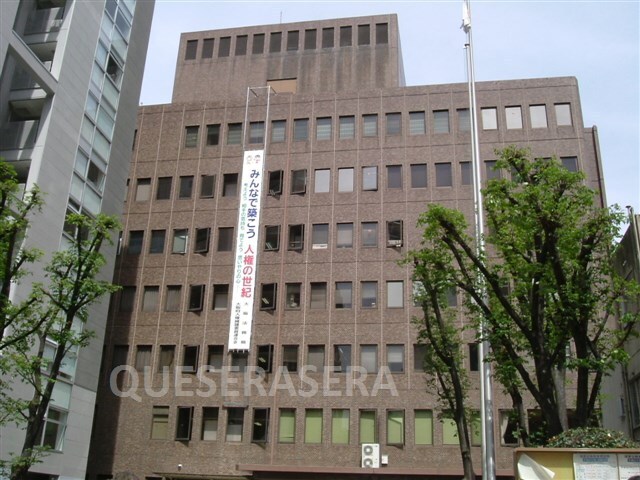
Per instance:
x=486, y=390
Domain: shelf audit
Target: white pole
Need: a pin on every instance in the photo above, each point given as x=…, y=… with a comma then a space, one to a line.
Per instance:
x=486, y=390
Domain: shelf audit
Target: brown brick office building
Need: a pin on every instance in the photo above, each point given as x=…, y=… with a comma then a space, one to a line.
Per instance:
x=352, y=157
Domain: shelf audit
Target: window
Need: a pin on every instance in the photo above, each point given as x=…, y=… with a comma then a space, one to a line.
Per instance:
x=394, y=123
x=293, y=40
x=322, y=182
x=319, y=235
x=313, y=425
x=345, y=180
x=489, y=118
x=191, y=50
x=268, y=296
x=394, y=233
x=327, y=37
x=343, y=294
x=235, y=424
x=190, y=358
x=166, y=358
x=186, y=187
x=143, y=189
x=299, y=181
x=452, y=297
x=369, y=294
x=364, y=35
x=300, y=129
x=315, y=357
x=225, y=239
x=464, y=120
x=234, y=134
x=444, y=175
x=258, y=44
x=491, y=170
x=210, y=423
x=419, y=357
x=241, y=45
x=382, y=33
x=256, y=132
x=395, y=427
x=260, y=432
x=156, y=244
x=215, y=357
x=318, y=295
x=570, y=163
x=207, y=186
x=346, y=36
x=264, y=358
x=419, y=175
x=296, y=237
x=275, y=42
x=395, y=358
x=207, y=48
x=290, y=358
x=369, y=234
x=417, y=124
x=370, y=125
x=466, y=175
x=563, y=114
x=474, y=357
x=342, y=358
x=370, y=178
x=310, y=39
x=172, y=302
x=278, y=131
x=368, y=430
x=225, y=47
x=272, y=238
x=275, y=182
x=347, y=125
x=323, y=128
x=514, y=117
x=143, y=357
x=394, y=176
x=340, y=426
x=163, y=191
x=423, y=427
x=441, y=121
x=213, y=134
x=239, y=361
x=184, y=422
x=395, y=294
x=136, y=238
x=196, y=298
x=160, y=423
x=344, y=235
x=287, y=426
x=538, y=114
x=369, y=358
x=127, y=299
x=292, y=297
x=150, y=299
x=191, y=136
x=220, y=296
x=180, y=239
x=230, y=185
x=508, y=427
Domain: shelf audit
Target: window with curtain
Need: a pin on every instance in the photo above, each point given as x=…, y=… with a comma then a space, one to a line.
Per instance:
x=417, y=125
x=347, y=127
x=423, y=427
x=344, y=235
x=369, y=358
x=287, y=425
x=368, y=431
x=209, y=423
x=395, y=427
x=395, y=358
x=235, y=423
x=313, y=425
x=340, y=426
x=370, y=125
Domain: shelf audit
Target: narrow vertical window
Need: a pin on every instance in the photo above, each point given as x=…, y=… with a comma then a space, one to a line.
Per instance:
x=382, y=33
x=191, y=50
x=313, y=425
x=513, y=117
x=260, y=432
x=323, y=128
x=364, y=35
x=310, y=39
x=343, y=295
x=444, y=176
x=394, y=123
x=163, y=190
x=395, y=427
x=563, y=114
x=489, y=118
x=293, y=40
x=346, y=36
x=464, y=120
x=347, y=127
x=538, y=115
x=207, y=48
x=395, y=358
x=287, y=425
x=209, y=423
x=257, y=47
x=241, y=45
x=417, y=125
x=423, y=427
x=327, y=37
x=340, y=426
x=370, y=125
x=235, y=424
x=184, y=423
x=441, y=121
x=213, y=134
x=370, y=178
x=224, y=49
x=275, y=42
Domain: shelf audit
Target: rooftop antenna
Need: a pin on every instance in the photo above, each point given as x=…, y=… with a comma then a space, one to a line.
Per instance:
x=280, y=16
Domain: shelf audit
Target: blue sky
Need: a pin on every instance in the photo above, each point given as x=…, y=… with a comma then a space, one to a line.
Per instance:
x=596, y=41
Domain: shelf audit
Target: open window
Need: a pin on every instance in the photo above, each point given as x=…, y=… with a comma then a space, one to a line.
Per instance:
x=299, y=181
x=268, y=297
x=264, y=359
x=184, y=423
x=275, y=182
x=296, y=237
x=394, y=233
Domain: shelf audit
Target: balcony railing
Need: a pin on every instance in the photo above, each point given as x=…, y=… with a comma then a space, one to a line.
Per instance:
x=44, y=21
x=19, y=135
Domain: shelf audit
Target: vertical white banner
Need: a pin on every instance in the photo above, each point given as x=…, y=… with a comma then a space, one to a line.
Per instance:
x=246, y=257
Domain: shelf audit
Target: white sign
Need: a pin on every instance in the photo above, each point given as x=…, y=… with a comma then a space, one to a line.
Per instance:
x=595, y=466
x=246, y=257
x=628, y=465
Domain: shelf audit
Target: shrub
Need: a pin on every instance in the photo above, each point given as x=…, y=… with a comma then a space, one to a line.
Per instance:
x=591, y=437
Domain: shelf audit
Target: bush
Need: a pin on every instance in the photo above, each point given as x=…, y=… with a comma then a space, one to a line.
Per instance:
x=591, y=437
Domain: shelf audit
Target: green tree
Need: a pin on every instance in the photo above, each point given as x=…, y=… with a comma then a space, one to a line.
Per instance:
x=53, y=314
x=550, y=285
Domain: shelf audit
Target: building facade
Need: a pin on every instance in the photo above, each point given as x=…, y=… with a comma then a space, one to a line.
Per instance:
x=351, y=157
x=71, y=73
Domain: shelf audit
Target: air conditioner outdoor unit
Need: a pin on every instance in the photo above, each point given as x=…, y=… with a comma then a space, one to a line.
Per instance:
x=370, y=455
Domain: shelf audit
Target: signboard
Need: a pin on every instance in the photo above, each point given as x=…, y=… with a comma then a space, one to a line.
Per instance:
x=595, y=466
x=244, y=274
x=628, y=465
